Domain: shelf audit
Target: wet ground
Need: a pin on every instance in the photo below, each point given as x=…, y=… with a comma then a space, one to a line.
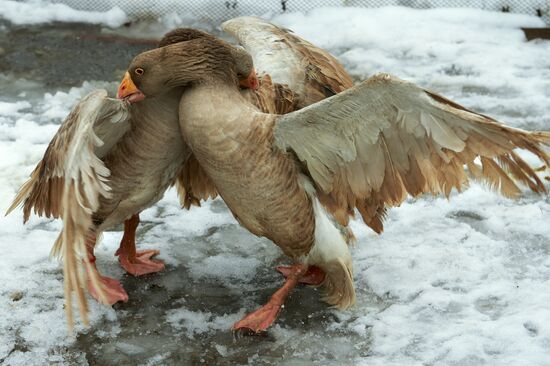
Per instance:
x=66, y=54
x=183, y=315
x=179, y=318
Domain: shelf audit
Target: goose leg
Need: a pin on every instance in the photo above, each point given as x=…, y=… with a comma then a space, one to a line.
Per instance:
x=313, y=276
x=114, y=292
x=135, y=262
x=261, y=319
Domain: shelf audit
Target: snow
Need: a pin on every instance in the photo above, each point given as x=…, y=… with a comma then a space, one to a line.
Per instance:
x=114, y=13
x=38, y=11
x=464, y=47
x=450, y=282
x=198, y=322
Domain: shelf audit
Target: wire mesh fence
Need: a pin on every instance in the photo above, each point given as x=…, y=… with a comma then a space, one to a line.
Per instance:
x=215, y=11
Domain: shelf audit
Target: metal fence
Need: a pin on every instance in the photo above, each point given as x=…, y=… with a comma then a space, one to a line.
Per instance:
x=215, y=11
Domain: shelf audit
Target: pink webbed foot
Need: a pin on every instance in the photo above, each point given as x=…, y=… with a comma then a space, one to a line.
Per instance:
x=259, y=320
x=114, y=292
x=141, y=264
x=112, y=289
x=135, y=262
x=313, y=275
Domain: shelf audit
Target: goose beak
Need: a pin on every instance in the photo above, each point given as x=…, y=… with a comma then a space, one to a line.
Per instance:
x=129, y=90
x=251, y=82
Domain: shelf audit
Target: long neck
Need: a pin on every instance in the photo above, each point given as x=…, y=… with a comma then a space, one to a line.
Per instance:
x=209, y=109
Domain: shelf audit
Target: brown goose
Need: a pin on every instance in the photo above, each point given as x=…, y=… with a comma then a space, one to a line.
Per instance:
x=289, y=177
x=108, y=161
x=96, y=174
x=293, y=73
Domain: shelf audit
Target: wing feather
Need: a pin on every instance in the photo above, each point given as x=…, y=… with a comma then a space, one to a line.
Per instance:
x=69, y=181
x=384, y=139
x=307, y=70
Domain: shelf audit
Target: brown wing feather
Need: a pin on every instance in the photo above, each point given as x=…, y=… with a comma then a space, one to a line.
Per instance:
x=193, y=184
x=43, y=190
x=324, y=74
x=272, y=97
x=373, y=145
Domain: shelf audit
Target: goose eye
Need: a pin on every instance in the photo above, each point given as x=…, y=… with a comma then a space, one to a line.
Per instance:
x=139, y=71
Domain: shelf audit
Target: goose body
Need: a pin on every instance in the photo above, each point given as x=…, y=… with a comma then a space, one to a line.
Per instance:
x=145, y=162
x=124, y=169
x=264, y=187
x=234, y=148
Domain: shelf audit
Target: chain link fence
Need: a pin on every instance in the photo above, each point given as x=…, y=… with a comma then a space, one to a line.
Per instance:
x=216, y=11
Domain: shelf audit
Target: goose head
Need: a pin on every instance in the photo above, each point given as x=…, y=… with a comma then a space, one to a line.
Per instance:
x=205, y=59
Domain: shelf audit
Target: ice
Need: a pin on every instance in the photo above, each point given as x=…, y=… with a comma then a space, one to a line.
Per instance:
x=450, y=282
x=199, y=322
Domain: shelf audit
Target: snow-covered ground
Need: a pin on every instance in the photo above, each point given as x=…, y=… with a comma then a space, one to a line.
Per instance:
x=458, y=282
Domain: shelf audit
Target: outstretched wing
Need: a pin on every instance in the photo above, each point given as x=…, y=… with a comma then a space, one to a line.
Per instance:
x=373, y=144
x=307, y=70
x=70, y=179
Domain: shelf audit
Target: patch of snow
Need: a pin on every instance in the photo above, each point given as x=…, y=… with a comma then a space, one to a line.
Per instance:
x=39, y=11
x=198, y=322
x=12, y=109
x=226, y=265
x=477, y=57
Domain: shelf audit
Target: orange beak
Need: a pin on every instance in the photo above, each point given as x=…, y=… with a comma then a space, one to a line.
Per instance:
x=251, y=82
x=128, y=89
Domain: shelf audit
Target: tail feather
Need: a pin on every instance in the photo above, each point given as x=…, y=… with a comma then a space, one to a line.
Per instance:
x=338, y=289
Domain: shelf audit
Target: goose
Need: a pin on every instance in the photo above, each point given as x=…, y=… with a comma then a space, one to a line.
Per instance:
x=297, y=178
x=109, y=160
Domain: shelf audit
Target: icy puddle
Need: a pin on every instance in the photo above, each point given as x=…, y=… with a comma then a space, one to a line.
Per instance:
x=458, y=282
